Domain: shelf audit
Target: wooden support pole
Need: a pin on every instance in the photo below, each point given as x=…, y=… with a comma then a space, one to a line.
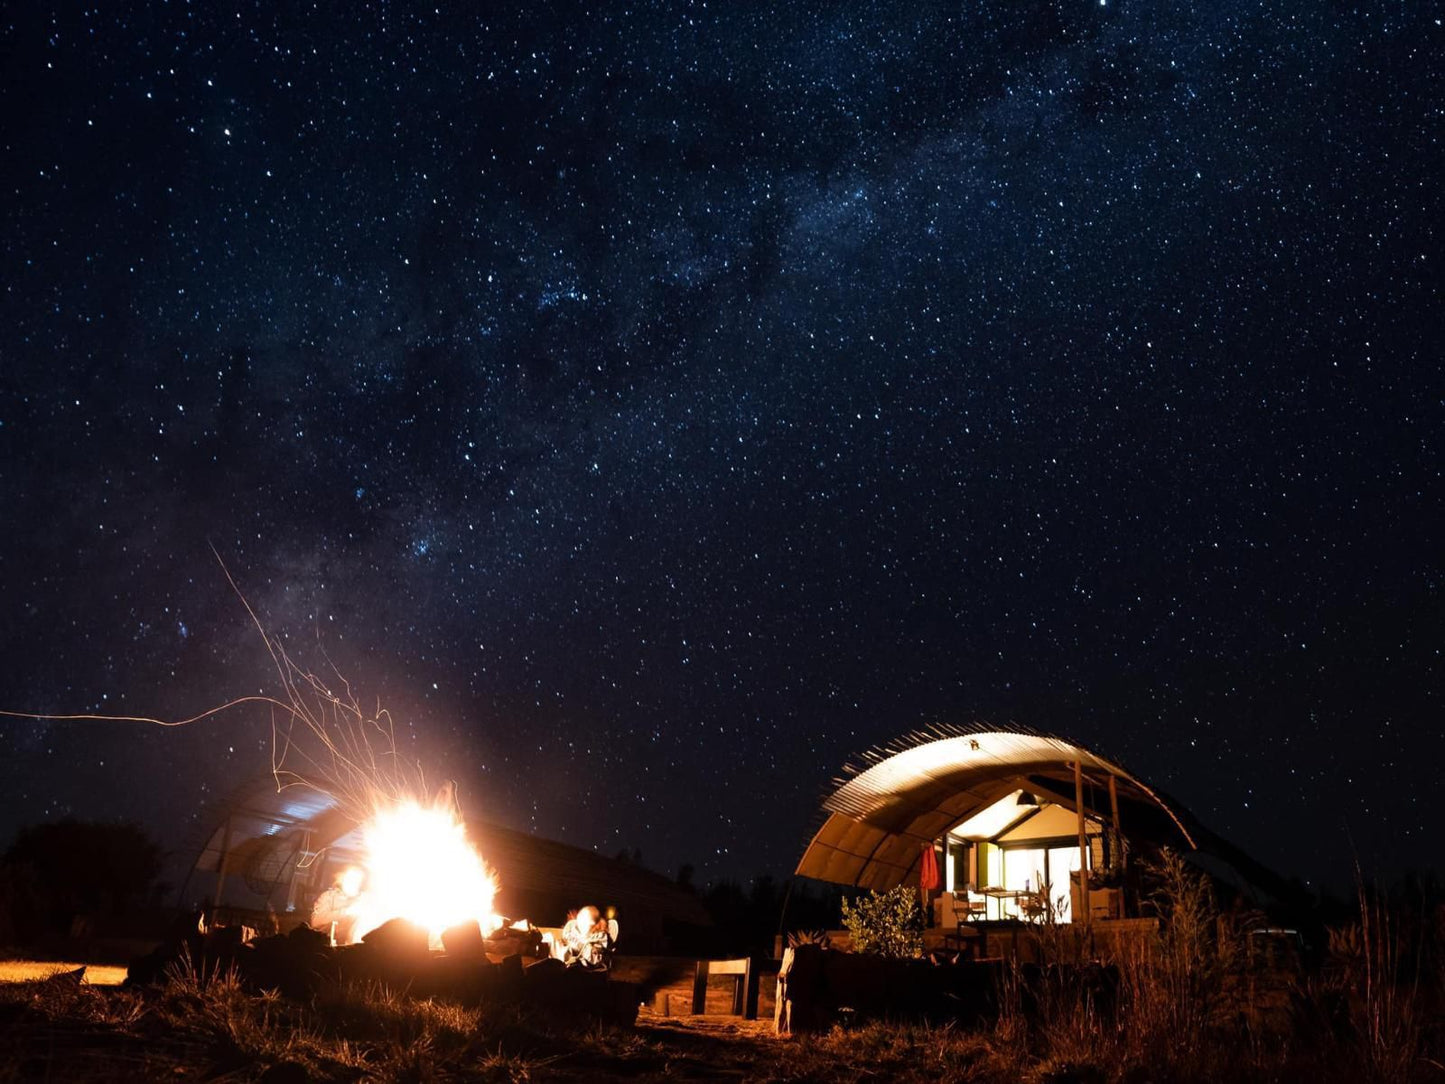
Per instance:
x=1114, y=809
x=221, y=866
x=1083, y=844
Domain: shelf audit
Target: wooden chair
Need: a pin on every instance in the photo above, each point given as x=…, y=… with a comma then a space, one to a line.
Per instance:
x=962, y=937
x=966, y=908
x=1034, y=906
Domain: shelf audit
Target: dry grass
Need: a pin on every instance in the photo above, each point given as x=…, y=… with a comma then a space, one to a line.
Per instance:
x=1195, y=1006
x=208, y=1027
x=1200, y=1004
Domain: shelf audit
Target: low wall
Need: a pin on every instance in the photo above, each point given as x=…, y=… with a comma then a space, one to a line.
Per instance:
x=817, y=986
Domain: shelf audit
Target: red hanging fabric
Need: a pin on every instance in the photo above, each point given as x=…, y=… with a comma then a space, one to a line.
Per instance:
x=928, y=876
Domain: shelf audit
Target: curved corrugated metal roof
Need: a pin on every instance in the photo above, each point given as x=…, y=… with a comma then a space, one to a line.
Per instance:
x=901, y=797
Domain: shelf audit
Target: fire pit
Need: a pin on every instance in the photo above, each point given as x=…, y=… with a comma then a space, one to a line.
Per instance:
x=397, y=955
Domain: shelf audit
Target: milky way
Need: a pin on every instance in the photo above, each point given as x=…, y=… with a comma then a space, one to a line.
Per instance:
x=654, y=405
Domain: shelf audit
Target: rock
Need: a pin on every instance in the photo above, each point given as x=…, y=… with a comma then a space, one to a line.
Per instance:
x=461, y=979
x=464, y=940
x=295, y=965
x=303, y=936
x=359, y=963
x=223, y=942
x=507, y=980
x=562, y=992
x=398, y=940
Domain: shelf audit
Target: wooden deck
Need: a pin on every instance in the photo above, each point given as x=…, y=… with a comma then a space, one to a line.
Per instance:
x=1033, y=943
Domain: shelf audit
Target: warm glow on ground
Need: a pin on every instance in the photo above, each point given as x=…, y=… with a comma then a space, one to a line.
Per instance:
x=33, y=970
x=420, y=866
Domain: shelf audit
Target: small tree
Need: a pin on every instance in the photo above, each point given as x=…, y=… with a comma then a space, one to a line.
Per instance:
x=887, y=923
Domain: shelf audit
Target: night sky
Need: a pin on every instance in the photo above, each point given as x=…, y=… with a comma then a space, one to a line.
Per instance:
x=654, y=405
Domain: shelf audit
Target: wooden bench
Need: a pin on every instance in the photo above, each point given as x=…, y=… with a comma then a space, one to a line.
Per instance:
x=745, y=994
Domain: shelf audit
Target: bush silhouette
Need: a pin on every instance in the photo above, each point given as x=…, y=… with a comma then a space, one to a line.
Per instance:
x=72, y=868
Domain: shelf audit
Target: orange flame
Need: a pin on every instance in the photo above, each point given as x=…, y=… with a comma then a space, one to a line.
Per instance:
x=420, y=866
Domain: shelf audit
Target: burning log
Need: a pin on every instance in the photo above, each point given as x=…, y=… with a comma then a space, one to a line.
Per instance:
x=521, y=938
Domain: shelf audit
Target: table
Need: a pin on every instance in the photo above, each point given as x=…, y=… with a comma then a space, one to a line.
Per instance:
x=995, y=892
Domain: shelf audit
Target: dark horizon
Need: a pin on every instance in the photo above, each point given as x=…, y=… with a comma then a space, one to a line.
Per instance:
x=655, y=407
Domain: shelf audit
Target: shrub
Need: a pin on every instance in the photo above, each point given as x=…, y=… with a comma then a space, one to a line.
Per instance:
x=54, y=872
x=887, y=923
x=798, y=938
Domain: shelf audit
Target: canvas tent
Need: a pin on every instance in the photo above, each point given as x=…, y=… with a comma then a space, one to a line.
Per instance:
x=1011, y=788
x=274, y=850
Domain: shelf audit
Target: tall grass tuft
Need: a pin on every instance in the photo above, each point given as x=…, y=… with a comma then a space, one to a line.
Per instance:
x=1198, y=1003
x=1381, y=984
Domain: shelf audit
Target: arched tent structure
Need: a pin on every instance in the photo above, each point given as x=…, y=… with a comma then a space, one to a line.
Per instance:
x=1012, y=789
x=266, y=849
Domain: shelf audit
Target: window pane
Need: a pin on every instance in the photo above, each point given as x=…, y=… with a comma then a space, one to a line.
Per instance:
x=1063, y=861
x=1023, y=869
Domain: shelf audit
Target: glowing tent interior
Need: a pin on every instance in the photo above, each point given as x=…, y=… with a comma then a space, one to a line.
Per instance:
x=1013, y=816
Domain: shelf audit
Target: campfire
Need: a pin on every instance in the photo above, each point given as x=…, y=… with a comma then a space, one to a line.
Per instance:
x=416, y=911
x=418, y=865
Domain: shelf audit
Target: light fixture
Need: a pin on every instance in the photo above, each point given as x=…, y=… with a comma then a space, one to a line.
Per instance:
x=1027, y=799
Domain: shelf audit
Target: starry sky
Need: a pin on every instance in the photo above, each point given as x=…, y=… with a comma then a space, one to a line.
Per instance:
x=654, y=405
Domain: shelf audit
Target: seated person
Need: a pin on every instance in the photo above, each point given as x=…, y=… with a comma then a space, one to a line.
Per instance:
x=332, y=911
x=587, y=939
